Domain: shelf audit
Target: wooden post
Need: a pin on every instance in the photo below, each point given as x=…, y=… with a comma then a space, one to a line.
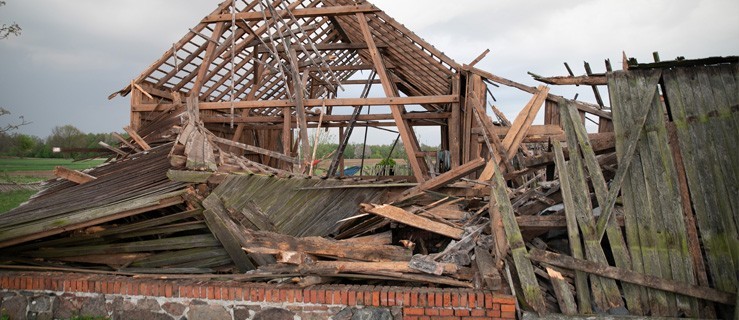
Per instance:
x=453, y=123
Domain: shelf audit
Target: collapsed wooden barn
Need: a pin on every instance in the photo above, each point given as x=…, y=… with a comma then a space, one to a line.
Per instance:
x=216, y=176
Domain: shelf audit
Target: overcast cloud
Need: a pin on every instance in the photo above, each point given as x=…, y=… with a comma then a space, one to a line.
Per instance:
x=73, y=54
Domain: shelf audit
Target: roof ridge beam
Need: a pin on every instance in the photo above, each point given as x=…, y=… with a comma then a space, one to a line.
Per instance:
x=298, y=13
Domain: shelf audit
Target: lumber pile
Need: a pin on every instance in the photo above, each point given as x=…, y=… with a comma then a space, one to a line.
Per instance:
x=216, y=175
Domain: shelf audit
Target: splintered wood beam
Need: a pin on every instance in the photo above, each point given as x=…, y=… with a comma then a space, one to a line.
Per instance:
x=264, y=242
x=523, y=122
x=270, y=153
x=298, y=13
x=362, y=267
x=137, y=138
x=73, y=175
x=407, y=218
x=124, y=141
x=564, y=296
x=397, y=109
x=629, y=276
x=445, y=178
x=595, y=80
x=582, y=106
x=339, y=102
x=518, y=130
x=479, y=58
x=111, y=148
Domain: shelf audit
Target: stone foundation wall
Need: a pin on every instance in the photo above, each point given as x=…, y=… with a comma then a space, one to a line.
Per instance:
x=65, y=295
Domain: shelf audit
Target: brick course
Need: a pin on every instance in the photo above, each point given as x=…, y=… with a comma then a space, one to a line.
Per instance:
x=415, y=303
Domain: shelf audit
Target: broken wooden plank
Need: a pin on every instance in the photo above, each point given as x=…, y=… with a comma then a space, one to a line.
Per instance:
x=405, y=217
x=488, y=271
x=573, y=232
x=114, y=149
x=255, y=149
x=518, y=130
x=73, y=175
x=531, y=290
x=445, y=178
x=577, y=136
x=368, y=267
x=573, y=80
x=136, y=138
x=562, y=292
x=602, y=270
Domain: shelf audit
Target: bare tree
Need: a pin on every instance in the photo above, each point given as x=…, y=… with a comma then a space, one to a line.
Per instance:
x=11, y=29
x=11, y=126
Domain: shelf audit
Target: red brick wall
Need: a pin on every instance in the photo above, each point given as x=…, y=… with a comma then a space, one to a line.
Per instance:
x=414, y=303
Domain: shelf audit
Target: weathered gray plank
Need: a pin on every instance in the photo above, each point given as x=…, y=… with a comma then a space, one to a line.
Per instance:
x=613, y=230
x=216, y=216
x=573, y=232
x=606, y=294
x=718, y=232
x=531, y=291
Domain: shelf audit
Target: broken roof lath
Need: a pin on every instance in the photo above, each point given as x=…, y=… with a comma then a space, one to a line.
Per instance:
x=216, y=176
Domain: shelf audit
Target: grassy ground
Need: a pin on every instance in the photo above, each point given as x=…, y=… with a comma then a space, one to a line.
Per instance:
x=28, y=170
x=10, y=200
x=36, y=164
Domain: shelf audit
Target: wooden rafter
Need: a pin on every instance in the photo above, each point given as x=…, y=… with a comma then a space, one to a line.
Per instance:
x=409, y=142
x=299, y=13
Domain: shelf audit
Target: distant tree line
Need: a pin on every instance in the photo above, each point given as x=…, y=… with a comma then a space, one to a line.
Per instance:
x=13, y=144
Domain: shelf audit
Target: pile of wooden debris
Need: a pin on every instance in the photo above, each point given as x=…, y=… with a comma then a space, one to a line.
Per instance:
x=639, y=218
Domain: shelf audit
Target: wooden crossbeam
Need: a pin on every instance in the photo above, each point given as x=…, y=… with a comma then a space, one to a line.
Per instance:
x=325, y=47
x=298, y=13
x=582, y=106
x=345, y=118
x=254, y=149
x=632, y=277
x=340, y=102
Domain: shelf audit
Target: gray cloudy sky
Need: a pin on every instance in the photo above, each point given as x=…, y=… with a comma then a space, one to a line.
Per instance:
x=73, y=54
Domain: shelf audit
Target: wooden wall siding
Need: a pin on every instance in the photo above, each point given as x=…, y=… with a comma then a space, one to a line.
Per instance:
x=703, y=103
x=699, y=101
x=296, y=207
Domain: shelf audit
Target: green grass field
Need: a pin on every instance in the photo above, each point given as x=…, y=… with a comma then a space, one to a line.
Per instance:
x=10, y=200
x=28, y=170
x=36, y=164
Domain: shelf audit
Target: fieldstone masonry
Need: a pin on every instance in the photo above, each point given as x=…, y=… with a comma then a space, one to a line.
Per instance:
x=65, y=295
